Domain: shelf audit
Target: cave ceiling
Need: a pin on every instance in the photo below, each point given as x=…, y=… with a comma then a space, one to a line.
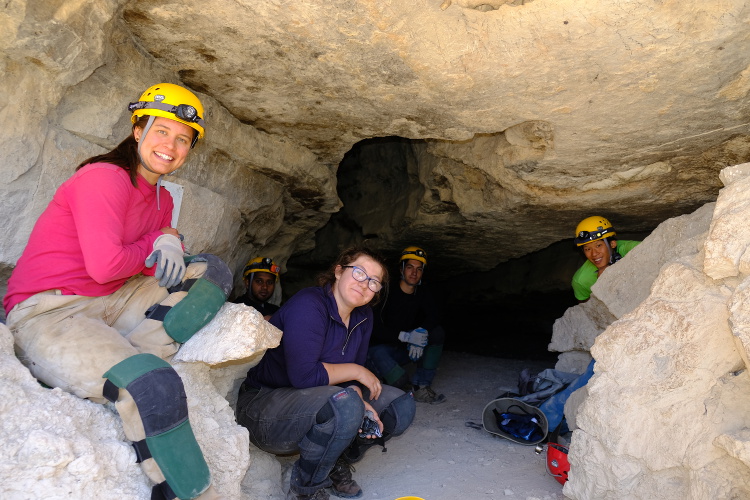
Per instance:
x=529, y=115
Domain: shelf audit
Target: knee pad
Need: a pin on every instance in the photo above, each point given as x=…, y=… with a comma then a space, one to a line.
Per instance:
x=336, y=424
x=346, y=409
x=205, y=297
x=160, y=398
x=431, y=358
x=398, y=416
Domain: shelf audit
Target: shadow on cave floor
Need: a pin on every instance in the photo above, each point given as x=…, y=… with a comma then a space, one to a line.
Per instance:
x=516, y=327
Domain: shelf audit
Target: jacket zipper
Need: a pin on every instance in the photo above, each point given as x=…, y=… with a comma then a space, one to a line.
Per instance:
x=349, y=334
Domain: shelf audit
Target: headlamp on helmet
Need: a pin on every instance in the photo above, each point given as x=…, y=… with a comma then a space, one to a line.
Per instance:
x=263, y=265
x=415, y=253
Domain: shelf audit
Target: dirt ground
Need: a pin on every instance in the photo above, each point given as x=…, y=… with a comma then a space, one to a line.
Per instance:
x=440, y=458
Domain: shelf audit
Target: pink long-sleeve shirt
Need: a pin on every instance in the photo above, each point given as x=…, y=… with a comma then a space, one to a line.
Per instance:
x=96, y=233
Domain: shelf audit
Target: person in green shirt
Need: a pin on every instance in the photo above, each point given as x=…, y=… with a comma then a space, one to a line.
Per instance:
x=601, y=248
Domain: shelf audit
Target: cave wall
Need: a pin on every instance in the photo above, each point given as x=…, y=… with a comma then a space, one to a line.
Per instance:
x=513, y=121
x=528, y=115
x=522, y=116
x=666, y=413
x=69, y=69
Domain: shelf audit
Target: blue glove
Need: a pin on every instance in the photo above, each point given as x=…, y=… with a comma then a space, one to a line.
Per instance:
x=415, y=352
x=167, y=255
x=418, y=337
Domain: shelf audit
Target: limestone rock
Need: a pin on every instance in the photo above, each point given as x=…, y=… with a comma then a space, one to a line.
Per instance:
x=232, y=342
x=666, y=413
x=728, y=242
x=622, y=289
x=225, y=338
x=579, y=326
x=56, y=444
x=521, y=115
x=626, y=284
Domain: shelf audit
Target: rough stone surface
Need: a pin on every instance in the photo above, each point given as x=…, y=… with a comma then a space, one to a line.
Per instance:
x=521, y=115
x=56, y=445
x=676, y=365
x=727, y=242
x=223, y=340
x=623, y=287
x=501, y=123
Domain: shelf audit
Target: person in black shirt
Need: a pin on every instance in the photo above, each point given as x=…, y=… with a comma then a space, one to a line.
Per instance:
x=407, y=328
x=260, y=276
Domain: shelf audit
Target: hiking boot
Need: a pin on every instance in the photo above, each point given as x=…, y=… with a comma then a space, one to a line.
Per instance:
x=321, y=494
x=343, y=484
x=425, y=394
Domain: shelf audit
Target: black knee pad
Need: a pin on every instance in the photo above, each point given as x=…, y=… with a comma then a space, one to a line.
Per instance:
x=398, y=416
x=346, y=407
x=336, y=422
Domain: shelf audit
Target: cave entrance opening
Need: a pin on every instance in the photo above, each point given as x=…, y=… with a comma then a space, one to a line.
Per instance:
x=507, y=312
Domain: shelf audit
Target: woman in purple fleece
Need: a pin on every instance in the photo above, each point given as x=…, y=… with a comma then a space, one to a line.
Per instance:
x=309, y=395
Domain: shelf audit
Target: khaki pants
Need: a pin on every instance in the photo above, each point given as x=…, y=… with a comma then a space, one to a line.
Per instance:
x=70, y=341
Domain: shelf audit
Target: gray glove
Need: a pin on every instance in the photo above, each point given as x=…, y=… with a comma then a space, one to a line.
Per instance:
x=167, y=255
x=418, y=337
x=415, y=352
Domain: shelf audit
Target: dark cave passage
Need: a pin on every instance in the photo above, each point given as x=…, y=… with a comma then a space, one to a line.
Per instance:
x=514, y=327
x=505, y=312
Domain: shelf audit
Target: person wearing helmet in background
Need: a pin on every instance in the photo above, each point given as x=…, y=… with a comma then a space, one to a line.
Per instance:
x=260, y=276
x=104, y=295
x=596, y=237
x=407, y=328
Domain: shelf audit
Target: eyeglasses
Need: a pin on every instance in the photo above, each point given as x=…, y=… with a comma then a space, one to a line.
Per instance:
x=360, y=275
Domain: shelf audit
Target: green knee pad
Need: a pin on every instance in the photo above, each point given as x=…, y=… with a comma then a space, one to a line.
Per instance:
x=394, y=375
x=205, y=297
x=162, y=405
x=431, y=357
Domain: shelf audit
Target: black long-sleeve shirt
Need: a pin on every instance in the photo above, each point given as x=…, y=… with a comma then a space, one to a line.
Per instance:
x=404, y=312
x=264, y=308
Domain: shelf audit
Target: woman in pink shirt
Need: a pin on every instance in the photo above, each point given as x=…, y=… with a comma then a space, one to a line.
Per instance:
x=103, y=294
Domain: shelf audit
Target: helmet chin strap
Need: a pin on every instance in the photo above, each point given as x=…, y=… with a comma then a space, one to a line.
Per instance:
x=150, y=122
x=610, y=260
x=614, y=255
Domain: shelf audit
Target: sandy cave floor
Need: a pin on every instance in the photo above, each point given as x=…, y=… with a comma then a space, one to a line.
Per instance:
x=439, y=458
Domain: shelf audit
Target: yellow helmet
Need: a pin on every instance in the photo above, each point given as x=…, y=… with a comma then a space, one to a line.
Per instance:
x=170, y=101
x=415, y=253
x=263, y=265
x=592, y=229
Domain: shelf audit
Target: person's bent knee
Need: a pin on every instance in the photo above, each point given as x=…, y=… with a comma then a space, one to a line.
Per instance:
x=160, y=398
x=437, y=336
x=205, y=296
x=347, y=408
x=398, y=416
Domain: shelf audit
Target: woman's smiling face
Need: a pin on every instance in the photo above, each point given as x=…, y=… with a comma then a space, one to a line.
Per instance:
x=165, y=147
x=351, y=292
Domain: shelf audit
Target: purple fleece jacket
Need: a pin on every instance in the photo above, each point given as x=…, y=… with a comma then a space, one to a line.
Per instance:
x=313, y=334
